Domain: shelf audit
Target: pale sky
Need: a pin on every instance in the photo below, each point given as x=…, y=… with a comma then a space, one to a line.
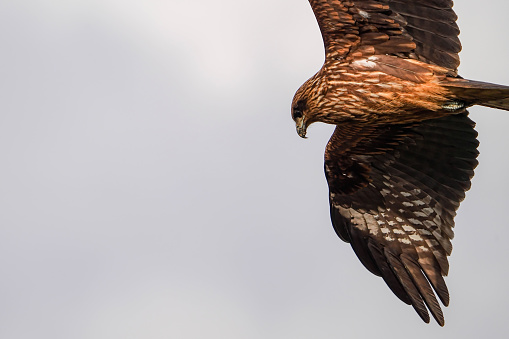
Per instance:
x=154, y=185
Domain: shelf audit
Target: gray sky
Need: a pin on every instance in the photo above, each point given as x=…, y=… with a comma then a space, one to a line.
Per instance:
x=154, y=186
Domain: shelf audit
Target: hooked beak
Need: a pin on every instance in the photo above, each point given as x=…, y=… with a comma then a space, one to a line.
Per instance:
x=301, y=128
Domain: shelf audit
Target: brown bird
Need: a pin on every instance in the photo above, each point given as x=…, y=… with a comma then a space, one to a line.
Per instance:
x=404, y=149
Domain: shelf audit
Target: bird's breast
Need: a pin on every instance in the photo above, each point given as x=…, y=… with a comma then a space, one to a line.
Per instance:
x=375, y=95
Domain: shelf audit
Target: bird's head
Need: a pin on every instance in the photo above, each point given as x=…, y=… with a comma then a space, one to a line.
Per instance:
x=312, y=103
x=305, y=105
x=320, y=100
x=300, y=116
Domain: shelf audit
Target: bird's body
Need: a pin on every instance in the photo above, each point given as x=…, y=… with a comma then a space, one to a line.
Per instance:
x=404, y=149
x=360, y=90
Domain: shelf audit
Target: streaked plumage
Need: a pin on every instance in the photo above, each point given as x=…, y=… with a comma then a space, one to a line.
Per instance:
x=404, y=149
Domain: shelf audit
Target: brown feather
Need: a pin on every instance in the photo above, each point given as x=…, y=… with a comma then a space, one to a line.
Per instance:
x=423, y=287
x=479, y=93
x=408, y=284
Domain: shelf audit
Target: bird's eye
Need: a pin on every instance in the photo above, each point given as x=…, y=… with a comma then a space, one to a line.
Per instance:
x=297, y=114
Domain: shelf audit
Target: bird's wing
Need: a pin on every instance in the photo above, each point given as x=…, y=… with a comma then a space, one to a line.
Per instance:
x=394, y=192
x=425, y=30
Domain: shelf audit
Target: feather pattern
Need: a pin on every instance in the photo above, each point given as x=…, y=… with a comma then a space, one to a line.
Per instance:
x=398, y=212
x=425, y=30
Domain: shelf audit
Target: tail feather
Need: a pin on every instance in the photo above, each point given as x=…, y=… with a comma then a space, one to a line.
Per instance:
x=479, y=93
x=499, y=104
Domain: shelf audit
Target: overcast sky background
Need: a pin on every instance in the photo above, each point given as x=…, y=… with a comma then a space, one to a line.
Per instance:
x=153, y=185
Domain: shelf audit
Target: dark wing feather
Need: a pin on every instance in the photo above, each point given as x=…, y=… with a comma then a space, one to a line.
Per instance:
x=394, y=192
x=425, y=30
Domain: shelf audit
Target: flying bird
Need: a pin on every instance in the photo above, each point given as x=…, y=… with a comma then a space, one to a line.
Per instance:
x=404, y=149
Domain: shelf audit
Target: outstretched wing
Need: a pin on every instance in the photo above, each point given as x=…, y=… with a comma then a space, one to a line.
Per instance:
x=394, y=192
x=425, y=30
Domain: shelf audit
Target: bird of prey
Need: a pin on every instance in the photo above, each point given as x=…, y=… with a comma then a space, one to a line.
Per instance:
x=404, y=149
